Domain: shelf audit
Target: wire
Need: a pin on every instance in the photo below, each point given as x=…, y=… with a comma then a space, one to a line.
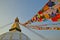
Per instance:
x=36, y=33
x=5, y=25
x=28, y=29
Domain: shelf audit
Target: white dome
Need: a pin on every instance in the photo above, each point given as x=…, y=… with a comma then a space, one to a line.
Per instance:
x=13, y=36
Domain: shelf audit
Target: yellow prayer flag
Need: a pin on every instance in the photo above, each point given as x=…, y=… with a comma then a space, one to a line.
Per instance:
x=38, y=16
x=58, y=0
x=59, y=20
x=46, y=7
x=46, y=16
x=59, y=9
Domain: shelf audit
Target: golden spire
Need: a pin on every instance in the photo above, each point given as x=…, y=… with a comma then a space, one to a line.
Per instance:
x=17, y=20
x=15, y=26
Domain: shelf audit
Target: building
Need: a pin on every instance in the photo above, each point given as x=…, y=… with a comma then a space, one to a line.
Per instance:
x=14, y=33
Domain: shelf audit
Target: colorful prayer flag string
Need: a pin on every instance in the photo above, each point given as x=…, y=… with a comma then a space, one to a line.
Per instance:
x=50, y=11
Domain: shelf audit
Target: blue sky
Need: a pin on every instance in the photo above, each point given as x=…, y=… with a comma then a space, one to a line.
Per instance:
x=25, y=10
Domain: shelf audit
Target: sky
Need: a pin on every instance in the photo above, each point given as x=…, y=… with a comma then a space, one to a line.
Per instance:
x=24, y=10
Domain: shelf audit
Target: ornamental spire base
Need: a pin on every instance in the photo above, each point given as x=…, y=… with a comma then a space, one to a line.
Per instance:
x=15, y=26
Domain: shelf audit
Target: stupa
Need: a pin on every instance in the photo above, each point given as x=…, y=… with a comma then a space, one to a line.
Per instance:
x=14, y=33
